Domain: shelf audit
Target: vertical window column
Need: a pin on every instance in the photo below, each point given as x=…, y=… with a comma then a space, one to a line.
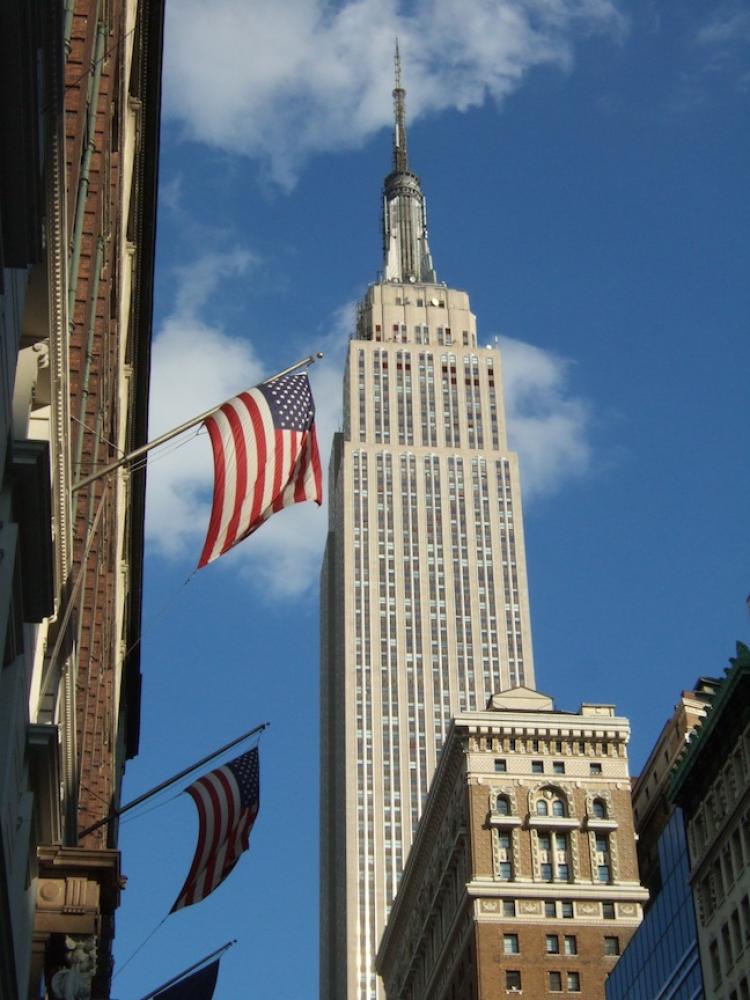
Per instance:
x=427, y=402
x=381, y=397
x=510, y=573
x=364, y=729
x=404, y=398
x=439, y=656
x=361, y=396
x=473, y=401
x=450, y=400
x=461, y=585
x=412, y=618
x=485, y=578
x=392, y=828
x=494, y=421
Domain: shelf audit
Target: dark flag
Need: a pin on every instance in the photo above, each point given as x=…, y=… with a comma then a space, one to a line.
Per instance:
x=227, y=800
x=199, y=986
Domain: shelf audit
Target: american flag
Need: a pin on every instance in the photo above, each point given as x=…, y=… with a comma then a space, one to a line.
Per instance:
x=227, y=800
x=265, y=458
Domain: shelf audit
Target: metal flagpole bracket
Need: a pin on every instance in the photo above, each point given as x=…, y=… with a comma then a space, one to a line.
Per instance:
x=163, y=438
x=116, y=813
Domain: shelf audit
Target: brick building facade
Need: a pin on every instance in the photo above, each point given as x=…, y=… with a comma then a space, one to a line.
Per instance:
x=79, y=141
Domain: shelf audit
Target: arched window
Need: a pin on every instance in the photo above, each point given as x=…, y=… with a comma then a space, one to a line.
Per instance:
x=542, y=809
x=502, y=805
x=599, y=809
x=558, y=807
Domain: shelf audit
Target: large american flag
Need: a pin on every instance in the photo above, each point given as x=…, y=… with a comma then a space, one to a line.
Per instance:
x=227, y=800
x=265, y=458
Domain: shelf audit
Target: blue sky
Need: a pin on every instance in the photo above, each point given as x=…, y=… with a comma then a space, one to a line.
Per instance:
x=585, y=164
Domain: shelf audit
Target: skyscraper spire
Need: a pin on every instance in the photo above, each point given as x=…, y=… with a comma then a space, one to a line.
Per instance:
x=406, y=253
x=400, y=153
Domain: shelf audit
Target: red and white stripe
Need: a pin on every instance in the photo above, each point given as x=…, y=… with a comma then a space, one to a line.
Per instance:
x=258, y=469
x=223, y=834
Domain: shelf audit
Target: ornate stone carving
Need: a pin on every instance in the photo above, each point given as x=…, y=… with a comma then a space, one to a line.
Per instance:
x=74, y=983
x=530, y=906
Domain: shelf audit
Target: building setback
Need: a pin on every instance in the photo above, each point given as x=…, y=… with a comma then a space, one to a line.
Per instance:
x=523, y=875
x=712, y=787
x=425, y=610
x=79, y=141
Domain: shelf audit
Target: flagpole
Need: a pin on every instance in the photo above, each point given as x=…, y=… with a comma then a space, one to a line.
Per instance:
x=186, y=972
x=168, y=435
x=116, y=813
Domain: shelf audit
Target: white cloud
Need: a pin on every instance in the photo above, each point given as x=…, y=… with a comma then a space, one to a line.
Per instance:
x=729, y=25
x=196, y=364
x=281, y=81
x=547, y=425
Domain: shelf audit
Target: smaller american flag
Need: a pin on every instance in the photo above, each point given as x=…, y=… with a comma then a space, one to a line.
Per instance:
x=199, y=986
x=227, y=800
x=265, y=458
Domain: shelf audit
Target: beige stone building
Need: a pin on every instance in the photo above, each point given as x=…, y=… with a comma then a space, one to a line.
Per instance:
x=712, y=787
x=523, y=878
x=424, y=594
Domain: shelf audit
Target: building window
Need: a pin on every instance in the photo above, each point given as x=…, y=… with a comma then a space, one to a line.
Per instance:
x=611, y=946
x=502, y=805
x=542, y=809
x=553, y=857
x=595, y=768
x=501, y=766
x=549, y=908
x=715, y=963
x=567, y=909
x=537, y=767
x=504, y=870
x=512, y=979
x=571, y=944
x=599, y=809
x=608, y=911
x=555, y=982
x=552, y=944
x=558, y=767
x=558, y=807
x=574, y=982
x=510, y=944
x=509, y=907
x=604, y=872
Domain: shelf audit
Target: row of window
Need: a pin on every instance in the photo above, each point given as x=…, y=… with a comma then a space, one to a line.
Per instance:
x=553, y=857
x=557, y=807
x=400, y=334
x=610, y=946
x=537, y=767
x=555, y=981
x=555, y=909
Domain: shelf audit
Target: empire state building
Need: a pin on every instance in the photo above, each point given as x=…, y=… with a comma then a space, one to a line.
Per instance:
x=424, y=597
